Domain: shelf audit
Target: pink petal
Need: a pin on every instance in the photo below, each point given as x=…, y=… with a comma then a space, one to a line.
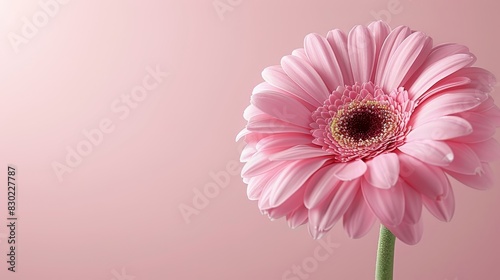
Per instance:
x=257, y=184
x=485, y=105
x=338, y=42
x=442, y=207
x=291, y=178
x=252, y=138
x=440, y=52
x=489, y=111
x=409, y=233
x=265, y=87
x=429, y=151
x=480, y=78
x=299, y=152
x=379, y=30
x=451, y=102
x=481, y=181
x=383, y=171
x=263, y=202
x=492, y=115
x=413, y=204
x=242, y=134
x=441, y=128
x=306, y=77
x=437, y=71
x=426, y=179
x=390, y=45
x=282, y=107
x=269, y=124
x=468, y=77
x=276, y=76
x=301, y=53
x=323, y=60
x=351, y=170
x=288, y=206
x=482, y=128
x=247, y=153
x=298, y=217
x=444, y=50
x=358, y=219
x=259, y=164
x=445, y=84
x=282, y=141
x=323, y=217
x=320, y=186
x=405, y=60
x=251, y=111
x=387, y=204
x=361, y=48
x=487, y=151
x=465, y=161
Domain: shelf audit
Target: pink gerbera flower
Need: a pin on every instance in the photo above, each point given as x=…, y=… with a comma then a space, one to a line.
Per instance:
x=367, y=127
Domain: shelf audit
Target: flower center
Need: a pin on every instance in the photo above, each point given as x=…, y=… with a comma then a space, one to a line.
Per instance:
x=362, y=124
x=361, y=121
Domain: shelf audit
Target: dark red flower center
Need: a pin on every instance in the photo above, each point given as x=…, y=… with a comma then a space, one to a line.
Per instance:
x=361, y=121
x=362, y=124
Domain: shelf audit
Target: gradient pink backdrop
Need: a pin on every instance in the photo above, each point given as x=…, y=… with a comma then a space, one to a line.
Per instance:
x=117, y=213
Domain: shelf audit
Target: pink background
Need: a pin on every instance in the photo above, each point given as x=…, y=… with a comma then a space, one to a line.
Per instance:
x=116, y=215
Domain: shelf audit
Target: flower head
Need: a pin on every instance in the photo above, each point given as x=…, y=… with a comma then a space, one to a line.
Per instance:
x=367, y=127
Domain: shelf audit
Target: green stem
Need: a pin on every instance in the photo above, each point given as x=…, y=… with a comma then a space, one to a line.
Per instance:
x=385, y=254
